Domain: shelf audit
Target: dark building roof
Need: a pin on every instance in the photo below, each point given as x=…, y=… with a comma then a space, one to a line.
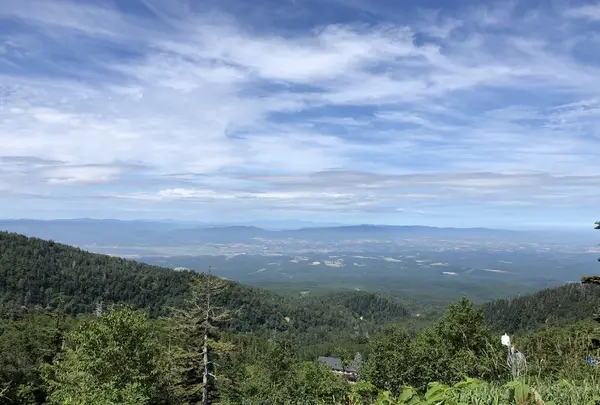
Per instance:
x=336, y=364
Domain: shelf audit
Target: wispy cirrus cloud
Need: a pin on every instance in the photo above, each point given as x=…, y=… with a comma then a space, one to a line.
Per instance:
x=586, y=12
x=384, y=112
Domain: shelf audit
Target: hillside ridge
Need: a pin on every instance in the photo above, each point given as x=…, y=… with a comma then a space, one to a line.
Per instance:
x=39, y=273
x=555, y=306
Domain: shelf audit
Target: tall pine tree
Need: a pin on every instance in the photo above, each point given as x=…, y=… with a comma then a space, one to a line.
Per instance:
x=198, y=327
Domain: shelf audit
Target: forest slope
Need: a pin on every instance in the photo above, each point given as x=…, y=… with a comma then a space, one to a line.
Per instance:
x=38, y=273
x=552, y=306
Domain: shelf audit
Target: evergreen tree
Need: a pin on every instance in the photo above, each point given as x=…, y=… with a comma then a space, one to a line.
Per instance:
x=27, y=341
x=198, y=327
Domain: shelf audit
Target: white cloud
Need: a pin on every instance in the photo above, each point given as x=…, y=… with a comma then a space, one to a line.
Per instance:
x=179, y=194
x=355, y=191
x=588, y=12
x=452, y=106
x=81, y=174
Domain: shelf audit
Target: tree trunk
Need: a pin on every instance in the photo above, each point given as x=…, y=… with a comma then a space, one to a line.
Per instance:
x=205, y=349
x=205, y=374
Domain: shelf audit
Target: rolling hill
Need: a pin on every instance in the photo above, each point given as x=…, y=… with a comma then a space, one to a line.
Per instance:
x=35, y=273
x=551, y=306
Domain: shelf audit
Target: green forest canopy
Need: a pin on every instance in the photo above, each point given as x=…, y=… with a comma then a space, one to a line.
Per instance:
x=48, y=355
x=43, y=274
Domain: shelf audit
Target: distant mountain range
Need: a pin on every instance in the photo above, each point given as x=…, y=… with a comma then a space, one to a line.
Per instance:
x=115, y=232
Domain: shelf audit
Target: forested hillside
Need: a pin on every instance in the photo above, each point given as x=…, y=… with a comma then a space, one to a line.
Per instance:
x=124, y=357
x=120, y=355
x=43, y=274
x=552, y=306
x=34, y=272
x=556, y=306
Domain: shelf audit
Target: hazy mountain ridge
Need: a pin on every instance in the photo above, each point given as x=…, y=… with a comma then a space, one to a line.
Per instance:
x=114, y=232
x=394, y=259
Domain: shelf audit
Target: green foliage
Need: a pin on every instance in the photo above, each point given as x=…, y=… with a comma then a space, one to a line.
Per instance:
x=3, y=392
x=277, y=377
x=34, y=272
x=477, y=392
x=269, y=378
x=118, y=358
x=372, y=307
x=313, y=320
x=463, y=327
x=115, y=359
x=391, y=362
x=464, y=392
x=27, y=341
x=560, y=352
x=129, y=357
x=197, y=335
x=314, y=381
x=442, y=394
x=553, y=306
x=38, y=274
x=459, y=344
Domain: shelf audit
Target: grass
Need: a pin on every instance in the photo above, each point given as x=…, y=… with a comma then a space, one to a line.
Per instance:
x=475, y=392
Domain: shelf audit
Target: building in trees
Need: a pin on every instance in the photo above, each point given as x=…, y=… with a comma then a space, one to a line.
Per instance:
x=349, y=371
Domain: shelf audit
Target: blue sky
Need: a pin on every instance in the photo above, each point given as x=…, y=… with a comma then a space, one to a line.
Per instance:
x=403, y=112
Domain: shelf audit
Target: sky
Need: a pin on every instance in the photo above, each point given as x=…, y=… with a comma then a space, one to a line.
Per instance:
x=448, y=113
